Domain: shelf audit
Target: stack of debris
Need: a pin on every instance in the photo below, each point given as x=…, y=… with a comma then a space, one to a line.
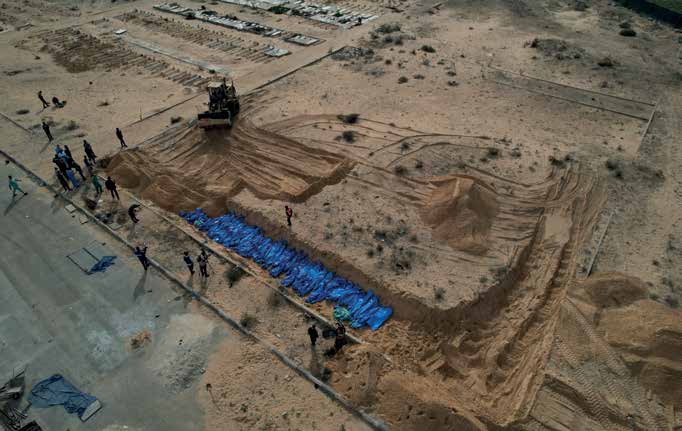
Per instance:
x=12, y=416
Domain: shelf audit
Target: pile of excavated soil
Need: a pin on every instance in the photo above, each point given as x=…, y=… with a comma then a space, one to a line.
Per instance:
x=461, y=212
x=190, y=167
x=646, y=333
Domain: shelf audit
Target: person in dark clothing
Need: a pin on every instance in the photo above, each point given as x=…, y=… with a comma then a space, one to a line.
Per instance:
x=89, y=152
x=78, y=168
x=111, y=186
x=339, y=342
x=62, y=179
x=42, y=99
x=340, y=329
x=188, y=261
x=312, y=333
x=57, y=103
x=119, y=135
x=67, y=150
x=202, y=260
x=290, y=213
x=131, y=212
x=46, y=128
x=88, y=165
x=142, y=255
x=61, y=164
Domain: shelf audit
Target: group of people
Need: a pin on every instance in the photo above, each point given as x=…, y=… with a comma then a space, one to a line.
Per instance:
x=340, y=339
x=65, y=165
x=202, y=261
x=55, y=101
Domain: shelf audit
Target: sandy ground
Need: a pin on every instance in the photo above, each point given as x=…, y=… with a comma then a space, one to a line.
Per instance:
x=502, y=150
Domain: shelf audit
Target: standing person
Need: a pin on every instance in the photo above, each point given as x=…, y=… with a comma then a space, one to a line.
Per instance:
x=142, y=255
x=61, y=176
x=131, y=213
x=290, y=213
x=46, y=128
x=96, y=183
x=312, y=333
x=339, y=342
x=111, y=186
x=188, y=261
x=89, y=152
x=67, y=151
x=14, y=186
x=70, y=175
x=42, y=99
x=202, y=260
x=78, y=168
x=119, y=135
x=88, y=165
x=61, y=164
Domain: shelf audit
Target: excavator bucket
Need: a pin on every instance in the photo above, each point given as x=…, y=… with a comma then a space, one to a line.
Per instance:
x=209, y=120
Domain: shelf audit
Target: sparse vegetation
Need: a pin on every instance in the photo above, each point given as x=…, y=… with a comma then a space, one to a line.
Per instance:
x=348, y=136
x=247, y=320
x=556, y=162
x=418, y=164
x=402, y=80
x=400, y=170
x=428, y=48
x=349, y=118
x=453, y=83
x=388, y=28
x=493, y=152
x=274, y=299
x=605, y=62
x=175, y=120
x=616, y=167
x=404, y=146
x=23, y=111
x=234, y=274
x=439, y=294
x=418, y=76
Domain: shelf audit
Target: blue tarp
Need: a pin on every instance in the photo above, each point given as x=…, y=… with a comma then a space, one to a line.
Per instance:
x=102, y=265
x=57, y=391
x=305, y=277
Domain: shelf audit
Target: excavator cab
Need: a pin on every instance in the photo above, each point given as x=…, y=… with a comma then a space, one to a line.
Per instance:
x=223, y=106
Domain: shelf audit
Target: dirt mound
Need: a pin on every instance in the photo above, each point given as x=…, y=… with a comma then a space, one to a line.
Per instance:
x=461, y=213
x=188, y=167
x=646, y=335
x=614, y=290
x=649, y=336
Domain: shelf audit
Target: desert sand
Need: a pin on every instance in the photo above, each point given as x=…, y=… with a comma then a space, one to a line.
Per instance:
x=503, y=174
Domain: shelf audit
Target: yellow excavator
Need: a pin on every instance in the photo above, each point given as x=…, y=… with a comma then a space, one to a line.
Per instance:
x=223, y=106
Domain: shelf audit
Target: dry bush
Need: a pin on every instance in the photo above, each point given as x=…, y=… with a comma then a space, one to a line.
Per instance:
x=349, y=118
x=247, y=320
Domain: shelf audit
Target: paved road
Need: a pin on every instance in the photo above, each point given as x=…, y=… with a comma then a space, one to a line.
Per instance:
x=57, y=319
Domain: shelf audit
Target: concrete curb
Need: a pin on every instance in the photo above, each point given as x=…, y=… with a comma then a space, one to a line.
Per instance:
x=326, y=389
